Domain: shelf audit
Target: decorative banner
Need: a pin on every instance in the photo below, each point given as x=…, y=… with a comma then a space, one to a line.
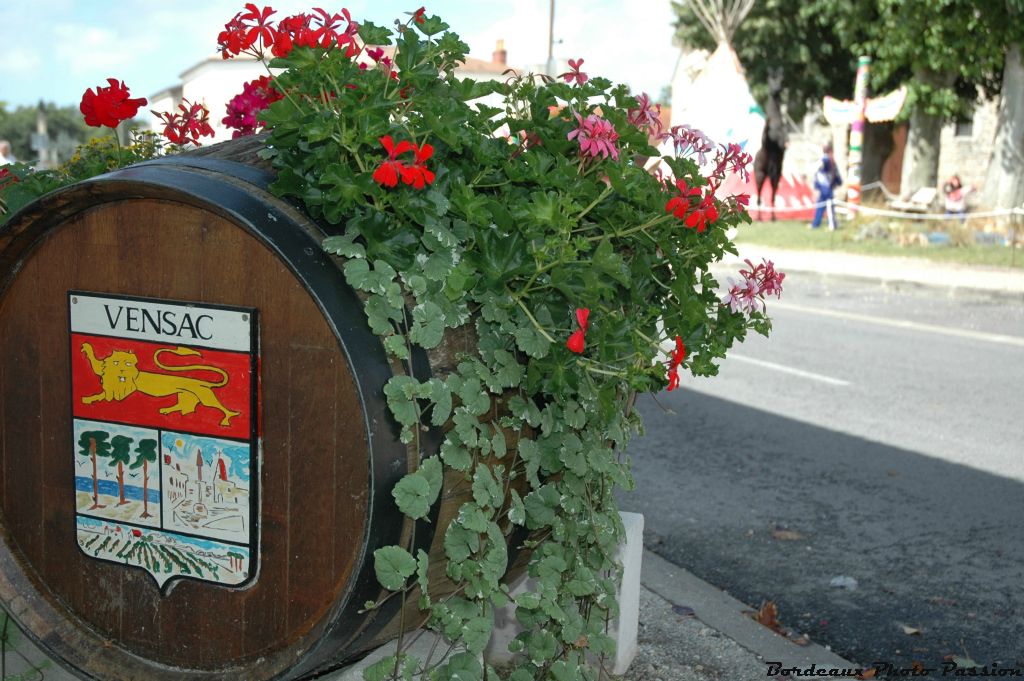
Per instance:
x=166, y=448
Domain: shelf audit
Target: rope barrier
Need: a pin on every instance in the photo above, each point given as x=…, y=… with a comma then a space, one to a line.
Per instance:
x=882, y=212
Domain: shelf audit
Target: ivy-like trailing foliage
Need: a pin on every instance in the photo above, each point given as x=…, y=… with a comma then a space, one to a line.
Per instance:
x=521, y=207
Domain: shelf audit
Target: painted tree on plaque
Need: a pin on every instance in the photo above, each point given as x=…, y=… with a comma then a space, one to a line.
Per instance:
x=119, y=456
x=145, y=454
x=93, y=443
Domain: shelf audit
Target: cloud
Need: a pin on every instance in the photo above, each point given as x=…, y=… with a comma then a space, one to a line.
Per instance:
x=92, y=51
x=18, y=60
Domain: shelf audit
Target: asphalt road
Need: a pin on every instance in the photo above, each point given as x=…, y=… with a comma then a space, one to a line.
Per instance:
x=878, y=435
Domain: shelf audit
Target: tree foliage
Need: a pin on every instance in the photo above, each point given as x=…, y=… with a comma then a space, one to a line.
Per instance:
x=923, y=44
x=63, y=123
x=947, y=52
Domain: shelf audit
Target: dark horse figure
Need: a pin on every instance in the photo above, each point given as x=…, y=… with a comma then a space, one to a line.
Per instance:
x=768, y=161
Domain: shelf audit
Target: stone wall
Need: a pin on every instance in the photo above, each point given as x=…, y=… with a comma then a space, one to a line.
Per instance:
x=967, y=154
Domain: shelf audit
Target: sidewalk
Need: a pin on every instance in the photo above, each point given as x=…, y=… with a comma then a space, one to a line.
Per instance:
x=954, y=279
x=689, y=631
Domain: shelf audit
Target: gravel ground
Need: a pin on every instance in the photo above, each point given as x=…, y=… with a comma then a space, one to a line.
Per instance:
x=679, y=647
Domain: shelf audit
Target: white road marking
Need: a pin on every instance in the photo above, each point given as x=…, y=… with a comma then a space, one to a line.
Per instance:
x=904, y=324
x=789, y=370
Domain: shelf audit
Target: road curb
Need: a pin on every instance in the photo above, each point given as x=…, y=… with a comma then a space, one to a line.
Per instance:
x=897, y=284
x=722, y=612
x=1001, y=283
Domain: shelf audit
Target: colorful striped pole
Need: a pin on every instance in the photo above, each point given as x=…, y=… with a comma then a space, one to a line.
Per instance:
x=860, y=101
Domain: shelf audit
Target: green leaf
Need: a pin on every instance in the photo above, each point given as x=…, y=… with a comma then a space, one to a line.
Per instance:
x=345, y=246
x=486, y=490
x=476, y=633
x=412, y=494
x=433, y=472
x=461, y=667
x=541, y=646
x=441, y=396
x=540, y=506
x=516, y=510
x=456, y=456
x=472, y=517
x=460, y=543
x=423, y=570
x=400, y=400
x=532, y=342
x=427, y=325
x=393, y=565
x=395, y=344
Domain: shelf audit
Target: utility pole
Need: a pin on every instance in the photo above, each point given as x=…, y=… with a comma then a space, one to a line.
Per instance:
x=550, y=67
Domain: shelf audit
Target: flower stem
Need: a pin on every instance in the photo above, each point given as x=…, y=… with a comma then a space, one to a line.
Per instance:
x=531, y=317
x=601, y=196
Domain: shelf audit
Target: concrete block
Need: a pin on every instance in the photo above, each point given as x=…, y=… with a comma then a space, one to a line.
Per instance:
x=624, y=629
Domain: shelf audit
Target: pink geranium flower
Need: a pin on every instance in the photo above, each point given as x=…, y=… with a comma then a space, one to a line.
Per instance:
x=687, y=140
x=646, y=115
x=575, y=73
x=759, y=281
x=597, y=137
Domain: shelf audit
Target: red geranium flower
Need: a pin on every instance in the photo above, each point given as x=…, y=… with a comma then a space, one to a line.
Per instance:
x=576, y=340
x=108, y=106
x=388, y=172
x=187, y=127
x=678, y=355
x=418, y=174
x=7, y=177
x=678, y=205
x=418, y=15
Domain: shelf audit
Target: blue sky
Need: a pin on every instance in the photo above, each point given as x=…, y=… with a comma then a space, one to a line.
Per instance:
x=55, y=49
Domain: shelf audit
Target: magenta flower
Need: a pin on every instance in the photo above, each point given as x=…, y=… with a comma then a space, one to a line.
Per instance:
x=256, y=96
x=759, y=281
x=597, y=137
x=690, y=140
x=732, y=158
x=575, y=73
x=646, y=115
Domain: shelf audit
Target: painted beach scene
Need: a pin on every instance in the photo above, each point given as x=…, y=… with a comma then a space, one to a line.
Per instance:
x=116, y=472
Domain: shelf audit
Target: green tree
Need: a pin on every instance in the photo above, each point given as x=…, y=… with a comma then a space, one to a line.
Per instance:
x=120, y=455
x=145, y=454
x=944, y=51
x=64, y=125
x=93, y=443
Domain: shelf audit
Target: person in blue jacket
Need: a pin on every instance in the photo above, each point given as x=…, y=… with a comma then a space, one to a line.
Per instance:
x=825, y=181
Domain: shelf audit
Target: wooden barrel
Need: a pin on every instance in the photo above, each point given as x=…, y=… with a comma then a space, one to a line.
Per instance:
x=196, y=455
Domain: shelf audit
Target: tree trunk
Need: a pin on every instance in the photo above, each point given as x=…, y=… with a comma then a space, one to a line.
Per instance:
x=120, y=484
x=145, y=489
x=1004, y=180
x=921, y=158
x=95, y=480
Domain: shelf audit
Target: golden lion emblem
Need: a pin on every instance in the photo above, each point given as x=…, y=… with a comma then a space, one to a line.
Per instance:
x=120, y=377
